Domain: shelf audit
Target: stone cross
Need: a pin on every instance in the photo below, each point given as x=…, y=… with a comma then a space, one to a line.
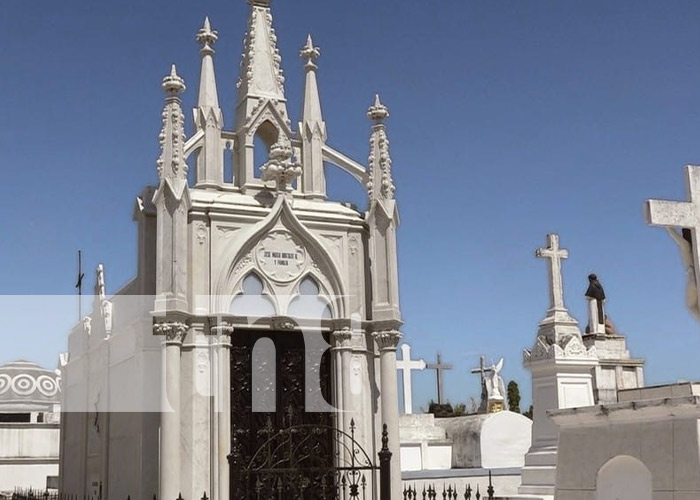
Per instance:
x=483, y=370
x=439, y=368
x=555, y=255
x=683, y=214
x=406, y=364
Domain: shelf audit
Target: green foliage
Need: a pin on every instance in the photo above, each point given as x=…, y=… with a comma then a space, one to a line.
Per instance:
x=459, y=410
x=513, y=396
x=528, y=413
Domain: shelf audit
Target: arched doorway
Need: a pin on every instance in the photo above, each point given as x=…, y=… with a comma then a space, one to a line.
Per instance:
x=274, y=370
x=623, y=478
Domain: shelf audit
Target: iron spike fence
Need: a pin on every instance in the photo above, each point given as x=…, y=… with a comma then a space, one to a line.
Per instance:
x=448, y=492
x=285, y=467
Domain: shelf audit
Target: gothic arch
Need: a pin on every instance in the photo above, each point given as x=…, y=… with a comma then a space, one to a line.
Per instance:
x=309, y=299
x=624, y=478
x=266, y=111
x=321, y=264
x=253, y=296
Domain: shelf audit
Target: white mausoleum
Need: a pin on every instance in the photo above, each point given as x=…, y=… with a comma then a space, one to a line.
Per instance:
x=30, y=409
x=229, y=271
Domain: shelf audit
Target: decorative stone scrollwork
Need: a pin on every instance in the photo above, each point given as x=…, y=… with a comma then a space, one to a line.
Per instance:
x=571, y=347
x=282, y=323
x=5, y=383
x=23, y=384
x=342, y=337
x=541, y=350
x=221, y=329
x=388, y=339
x=201, y=232
x=174, y=331
x=282, y=168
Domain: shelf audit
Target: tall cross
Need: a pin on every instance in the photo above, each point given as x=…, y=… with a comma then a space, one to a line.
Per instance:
x=684, y=214
x=555, y=255
x=439, y=367
x=406, y=364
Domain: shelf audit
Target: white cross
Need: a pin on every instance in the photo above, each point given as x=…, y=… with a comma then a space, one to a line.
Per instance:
x=681, y=213
x=555, y=255
x=406, y=364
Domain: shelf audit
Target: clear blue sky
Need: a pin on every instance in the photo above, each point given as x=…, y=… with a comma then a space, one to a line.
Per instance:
x=509, y=119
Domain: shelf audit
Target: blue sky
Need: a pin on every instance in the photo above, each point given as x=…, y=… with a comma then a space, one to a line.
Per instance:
x=509, y=120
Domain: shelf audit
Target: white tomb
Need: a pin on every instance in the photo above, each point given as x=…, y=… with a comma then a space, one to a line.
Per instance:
x=646, y=446
x=424, y=444
x=489, y=441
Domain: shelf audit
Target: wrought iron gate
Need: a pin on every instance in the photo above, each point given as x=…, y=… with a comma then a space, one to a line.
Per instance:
x=288, y=466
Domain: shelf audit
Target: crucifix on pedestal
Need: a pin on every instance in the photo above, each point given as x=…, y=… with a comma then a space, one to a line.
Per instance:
x=406, y=364
x=439, y=368
x=685, y=215
x=554, y=254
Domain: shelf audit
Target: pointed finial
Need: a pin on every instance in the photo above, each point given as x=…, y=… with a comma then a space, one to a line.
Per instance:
x=378, y=112
x=207, y=37
x=173, y=84
x=310, y=53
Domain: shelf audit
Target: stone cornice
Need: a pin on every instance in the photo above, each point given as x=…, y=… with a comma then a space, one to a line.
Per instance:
x=649, y=410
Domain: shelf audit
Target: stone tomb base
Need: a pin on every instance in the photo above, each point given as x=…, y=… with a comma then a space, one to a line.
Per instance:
x=424, y=446
x=489, y=441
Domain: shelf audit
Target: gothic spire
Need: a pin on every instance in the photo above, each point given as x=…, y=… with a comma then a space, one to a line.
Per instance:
x=172, y=168
x=207, y=115
x=380, y=185
x=261, y=110
x=261, y=72
x=172, y=201
x=383, y=220
x=312, y=128
x=208, y=96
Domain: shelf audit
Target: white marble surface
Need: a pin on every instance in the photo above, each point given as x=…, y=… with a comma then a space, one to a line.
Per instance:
x=662, y=434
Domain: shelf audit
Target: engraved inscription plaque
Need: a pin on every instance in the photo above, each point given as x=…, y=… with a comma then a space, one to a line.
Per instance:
x=280, y=257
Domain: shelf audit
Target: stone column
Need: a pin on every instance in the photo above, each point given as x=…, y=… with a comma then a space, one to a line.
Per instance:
x=174, y=333
x=340, y=347
x=388, y=341
x=223, y=332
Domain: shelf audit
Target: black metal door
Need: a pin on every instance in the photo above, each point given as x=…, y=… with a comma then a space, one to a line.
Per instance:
x=251, y=430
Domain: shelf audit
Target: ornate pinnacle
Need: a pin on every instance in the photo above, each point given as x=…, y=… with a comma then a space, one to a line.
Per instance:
x=378, y=112
x=173, y=84
x=310, y=53
x=260, y=3
x=207, y=37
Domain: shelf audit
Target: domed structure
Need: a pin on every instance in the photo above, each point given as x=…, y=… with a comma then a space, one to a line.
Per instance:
x=30, y=398
x=27, y=387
